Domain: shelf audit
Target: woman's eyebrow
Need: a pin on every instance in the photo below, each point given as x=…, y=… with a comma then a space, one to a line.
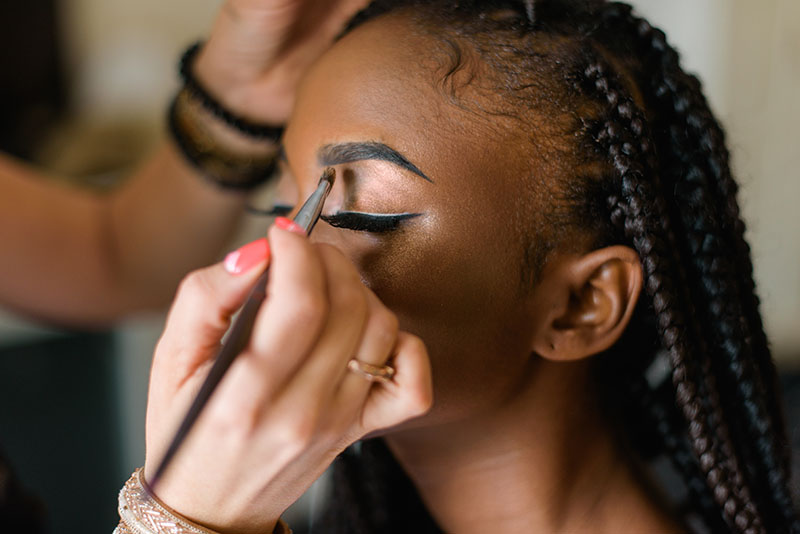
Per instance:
x=335, y=154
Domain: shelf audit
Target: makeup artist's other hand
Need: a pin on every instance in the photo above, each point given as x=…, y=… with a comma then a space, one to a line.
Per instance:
x=259, y=49
x=288, y=405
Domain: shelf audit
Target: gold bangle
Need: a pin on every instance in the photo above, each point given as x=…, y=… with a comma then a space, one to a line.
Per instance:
x=141, y=512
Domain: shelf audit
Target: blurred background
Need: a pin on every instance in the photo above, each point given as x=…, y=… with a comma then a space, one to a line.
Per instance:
x=83, y=89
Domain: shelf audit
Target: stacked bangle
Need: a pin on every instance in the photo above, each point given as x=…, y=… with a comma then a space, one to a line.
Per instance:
x=226, y=168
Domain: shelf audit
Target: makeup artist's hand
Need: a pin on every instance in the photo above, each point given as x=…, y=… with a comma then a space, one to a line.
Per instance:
x=259, y=49
x=288, y=405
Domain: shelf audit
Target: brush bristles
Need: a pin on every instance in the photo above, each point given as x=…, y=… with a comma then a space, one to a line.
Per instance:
x=328, y=175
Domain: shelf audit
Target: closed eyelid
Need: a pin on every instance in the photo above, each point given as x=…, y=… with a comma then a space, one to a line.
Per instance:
x=368, y=222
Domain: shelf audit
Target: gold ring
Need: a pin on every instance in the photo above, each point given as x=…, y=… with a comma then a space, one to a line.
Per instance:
x=373, y=373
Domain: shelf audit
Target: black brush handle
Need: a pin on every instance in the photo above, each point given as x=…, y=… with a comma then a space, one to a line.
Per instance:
x=236, y=342
x=239, y=335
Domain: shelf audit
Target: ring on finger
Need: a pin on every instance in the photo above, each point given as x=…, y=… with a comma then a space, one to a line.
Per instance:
x=373, y=373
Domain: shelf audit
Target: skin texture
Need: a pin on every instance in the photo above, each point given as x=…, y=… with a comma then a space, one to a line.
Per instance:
x=514, y=441
x=76, y=258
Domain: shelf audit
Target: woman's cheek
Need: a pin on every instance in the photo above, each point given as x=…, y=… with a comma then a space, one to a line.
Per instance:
x=434, y=270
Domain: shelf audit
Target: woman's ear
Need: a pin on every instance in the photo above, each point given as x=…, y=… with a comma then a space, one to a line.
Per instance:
x=582, y=304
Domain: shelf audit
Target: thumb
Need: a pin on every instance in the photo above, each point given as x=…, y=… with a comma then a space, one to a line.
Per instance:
x=202, y=310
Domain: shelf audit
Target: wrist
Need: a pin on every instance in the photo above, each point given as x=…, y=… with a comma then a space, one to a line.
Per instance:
x=259, y=92
x=142, y=512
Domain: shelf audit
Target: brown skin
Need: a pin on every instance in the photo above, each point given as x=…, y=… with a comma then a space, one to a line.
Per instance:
x=514, y=442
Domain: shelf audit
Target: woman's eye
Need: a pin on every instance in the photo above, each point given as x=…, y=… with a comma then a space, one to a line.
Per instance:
x=375, y=223
x=368, y=222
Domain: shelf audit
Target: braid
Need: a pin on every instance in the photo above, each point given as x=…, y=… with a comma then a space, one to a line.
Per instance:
x=682, y=96
x=645, y=225
x=707, y=134
x=670, y=429
x=697, y=162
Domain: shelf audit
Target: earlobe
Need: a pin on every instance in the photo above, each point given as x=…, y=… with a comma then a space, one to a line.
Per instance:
x=583, y=304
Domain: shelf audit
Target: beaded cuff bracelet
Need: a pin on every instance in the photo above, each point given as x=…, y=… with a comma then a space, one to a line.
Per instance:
x=141, y=512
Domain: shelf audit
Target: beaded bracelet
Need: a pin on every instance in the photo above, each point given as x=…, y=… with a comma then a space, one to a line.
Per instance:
x=189, y=121
x=141, y=512
x=224, y=169
x=197, y=91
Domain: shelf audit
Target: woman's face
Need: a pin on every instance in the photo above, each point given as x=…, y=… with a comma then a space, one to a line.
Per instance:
x=373, y=109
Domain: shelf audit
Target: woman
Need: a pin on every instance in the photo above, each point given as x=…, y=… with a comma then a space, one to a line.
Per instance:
x=540, y=194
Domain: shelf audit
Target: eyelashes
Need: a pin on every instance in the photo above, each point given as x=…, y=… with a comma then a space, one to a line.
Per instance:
x=375, y=223
x=368, y=222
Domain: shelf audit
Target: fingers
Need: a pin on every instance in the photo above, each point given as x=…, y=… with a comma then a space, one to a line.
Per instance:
x=347, y=316
x=295, y=309
x=376, y=347
x=204, y=304
x=316, y=317
x=343, y=12
x=408, y=395
x=309, y=327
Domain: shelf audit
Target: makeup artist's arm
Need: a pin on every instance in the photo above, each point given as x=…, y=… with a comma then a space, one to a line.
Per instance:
x=73, y=257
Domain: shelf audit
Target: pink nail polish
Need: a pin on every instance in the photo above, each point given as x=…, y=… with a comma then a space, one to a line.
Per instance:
x=247, y=257
x=289, y=225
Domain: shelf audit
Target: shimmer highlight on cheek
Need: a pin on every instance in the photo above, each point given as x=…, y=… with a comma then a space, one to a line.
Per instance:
x=368, y=222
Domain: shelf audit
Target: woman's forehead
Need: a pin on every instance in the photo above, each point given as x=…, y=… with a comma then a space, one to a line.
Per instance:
x=371, y=86
x=382, y=83
x=380, y=58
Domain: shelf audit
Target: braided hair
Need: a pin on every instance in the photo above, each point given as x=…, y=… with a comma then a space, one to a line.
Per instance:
x=649, y=162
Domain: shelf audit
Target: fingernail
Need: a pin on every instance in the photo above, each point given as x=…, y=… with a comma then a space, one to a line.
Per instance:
x=289, y=225
x=248, y=256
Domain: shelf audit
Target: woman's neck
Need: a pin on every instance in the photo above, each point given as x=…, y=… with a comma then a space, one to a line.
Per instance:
x=544, y=461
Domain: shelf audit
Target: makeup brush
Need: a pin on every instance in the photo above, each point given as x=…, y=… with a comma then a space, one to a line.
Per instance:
x=239, y=334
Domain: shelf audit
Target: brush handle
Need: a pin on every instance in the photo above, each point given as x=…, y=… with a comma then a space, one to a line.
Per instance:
x=239, y=335
x=236, y=342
